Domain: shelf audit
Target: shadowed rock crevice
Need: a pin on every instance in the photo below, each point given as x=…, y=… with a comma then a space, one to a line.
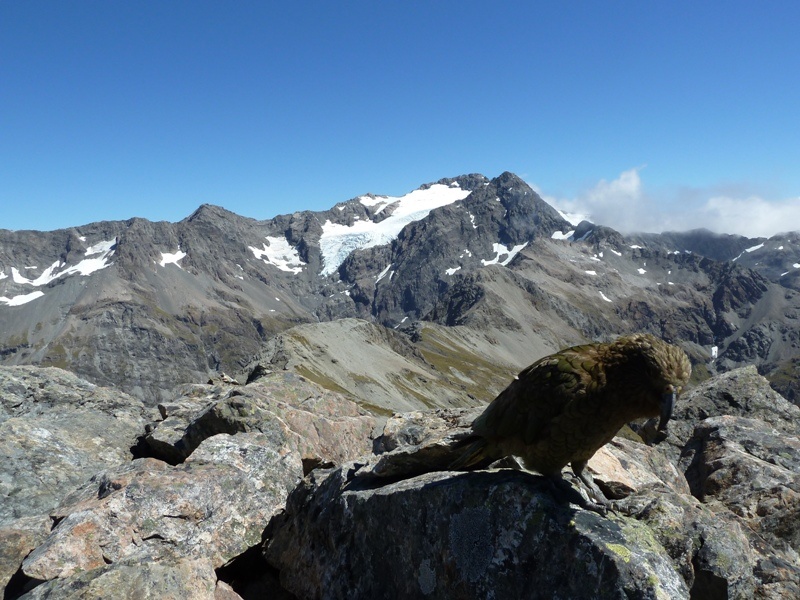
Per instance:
x=19, y=585
x=250, y=576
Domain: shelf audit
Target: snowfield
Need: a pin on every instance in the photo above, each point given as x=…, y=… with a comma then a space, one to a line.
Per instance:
x=338, y=241
x=280, y=253
x=87, y=266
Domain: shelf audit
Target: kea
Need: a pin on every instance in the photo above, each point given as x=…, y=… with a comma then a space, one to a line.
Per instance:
x=566, y=406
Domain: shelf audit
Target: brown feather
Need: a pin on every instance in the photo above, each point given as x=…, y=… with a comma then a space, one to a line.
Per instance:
x=565, y=406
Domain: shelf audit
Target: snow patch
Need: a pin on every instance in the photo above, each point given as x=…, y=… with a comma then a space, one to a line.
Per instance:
x=641, y=271
x=86, y=267
x=22, y=299
x=452, y=271
x=472, y=220
x=279, y=253
x=383, y=273
x=560, y=235
x=615, y=252
x=338, y=241
x=636, y=247
x=502, y=250
x=101, y=247
x=3, y=276
x=603, y=296
x=751, y=249
x=591, y=272
x=714, y=352
x=173, y=258
x=573, y=219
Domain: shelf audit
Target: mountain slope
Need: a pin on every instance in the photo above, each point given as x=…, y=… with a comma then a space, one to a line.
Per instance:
x=466, y=270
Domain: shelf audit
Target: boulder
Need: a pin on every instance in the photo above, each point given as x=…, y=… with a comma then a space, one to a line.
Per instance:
x=213, y=506
x=753, y=470
x=56, y=431
x=173, y=579
x=323, y=426
x=460, y=535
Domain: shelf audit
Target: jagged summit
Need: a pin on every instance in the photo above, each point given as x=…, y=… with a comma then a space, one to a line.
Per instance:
x=210, y=212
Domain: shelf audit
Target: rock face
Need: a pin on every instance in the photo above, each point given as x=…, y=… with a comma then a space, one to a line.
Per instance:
x=715, y=520
x=473, y=535
x=56, y=431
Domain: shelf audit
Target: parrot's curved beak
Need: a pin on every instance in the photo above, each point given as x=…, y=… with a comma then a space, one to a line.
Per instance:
x=667, y=403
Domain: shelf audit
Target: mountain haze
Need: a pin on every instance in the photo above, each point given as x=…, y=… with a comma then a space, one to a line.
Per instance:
x=434, y=298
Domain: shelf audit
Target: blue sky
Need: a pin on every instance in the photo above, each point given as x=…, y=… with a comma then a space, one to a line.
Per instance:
x=646, y=115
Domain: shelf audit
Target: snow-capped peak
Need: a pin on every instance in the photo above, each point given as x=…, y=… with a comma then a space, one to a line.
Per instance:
x=338, y=241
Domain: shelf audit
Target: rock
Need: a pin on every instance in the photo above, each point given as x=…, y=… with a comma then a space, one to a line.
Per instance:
x=248, y=449
x=710, y=551
x=741, y=392
x=214, y=506
x=17, y=539
x=754, y=471
x=56, y=431
x=321, y=425
x=179, y=579
x=465, y=535
x=623, y=467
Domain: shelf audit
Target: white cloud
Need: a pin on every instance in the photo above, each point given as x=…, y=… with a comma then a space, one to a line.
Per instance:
x=753, y=216
x=623, y=204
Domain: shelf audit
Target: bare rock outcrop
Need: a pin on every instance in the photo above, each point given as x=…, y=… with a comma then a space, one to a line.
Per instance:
x=322, y=426
x=711, y=516
x=166, y=528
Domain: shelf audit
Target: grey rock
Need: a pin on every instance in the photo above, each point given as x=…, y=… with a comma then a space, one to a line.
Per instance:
x=752, y=469
x=468, y=535
x=56, y=431
x=214, y=507
x=320, y=425
x=132, y=579
x=741, y=392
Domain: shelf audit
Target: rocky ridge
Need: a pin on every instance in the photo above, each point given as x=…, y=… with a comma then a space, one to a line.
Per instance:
x=281, y=488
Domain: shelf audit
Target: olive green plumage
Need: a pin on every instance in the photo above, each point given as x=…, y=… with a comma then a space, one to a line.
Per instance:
x=565, y=406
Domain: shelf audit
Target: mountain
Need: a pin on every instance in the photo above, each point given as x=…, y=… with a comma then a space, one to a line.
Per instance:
x=367, y=338
x=430, y=299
